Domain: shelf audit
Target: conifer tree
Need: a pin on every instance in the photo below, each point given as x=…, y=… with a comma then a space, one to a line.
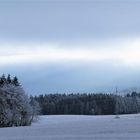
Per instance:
x=15, y=81
x=3, y=80
x=9, y=79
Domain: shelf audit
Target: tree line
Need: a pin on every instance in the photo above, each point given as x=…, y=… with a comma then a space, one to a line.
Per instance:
x=89, y=104
x=17, y=109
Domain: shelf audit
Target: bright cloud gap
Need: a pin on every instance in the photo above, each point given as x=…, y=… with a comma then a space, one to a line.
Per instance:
x=126, y=53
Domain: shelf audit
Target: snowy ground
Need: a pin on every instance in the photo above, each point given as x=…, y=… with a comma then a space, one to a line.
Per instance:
x=72, y=127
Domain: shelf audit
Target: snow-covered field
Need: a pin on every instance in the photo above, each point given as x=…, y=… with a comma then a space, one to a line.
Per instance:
x=76, y=127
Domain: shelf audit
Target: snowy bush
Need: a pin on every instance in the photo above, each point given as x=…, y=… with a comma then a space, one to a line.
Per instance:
x=15, y=106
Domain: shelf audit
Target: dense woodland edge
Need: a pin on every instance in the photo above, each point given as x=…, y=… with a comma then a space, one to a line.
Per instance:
x=89, y=104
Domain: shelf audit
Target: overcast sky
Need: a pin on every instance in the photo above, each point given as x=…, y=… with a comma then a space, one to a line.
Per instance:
x=71, y=46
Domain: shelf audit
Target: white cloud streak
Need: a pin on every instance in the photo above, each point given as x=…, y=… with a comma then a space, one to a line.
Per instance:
x=126, y=52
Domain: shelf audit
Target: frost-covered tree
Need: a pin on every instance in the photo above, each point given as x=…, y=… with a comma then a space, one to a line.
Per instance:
x=35, y=109
x=15, y=107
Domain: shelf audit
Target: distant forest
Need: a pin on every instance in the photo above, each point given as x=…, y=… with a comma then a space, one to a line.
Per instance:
x=89, y=104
